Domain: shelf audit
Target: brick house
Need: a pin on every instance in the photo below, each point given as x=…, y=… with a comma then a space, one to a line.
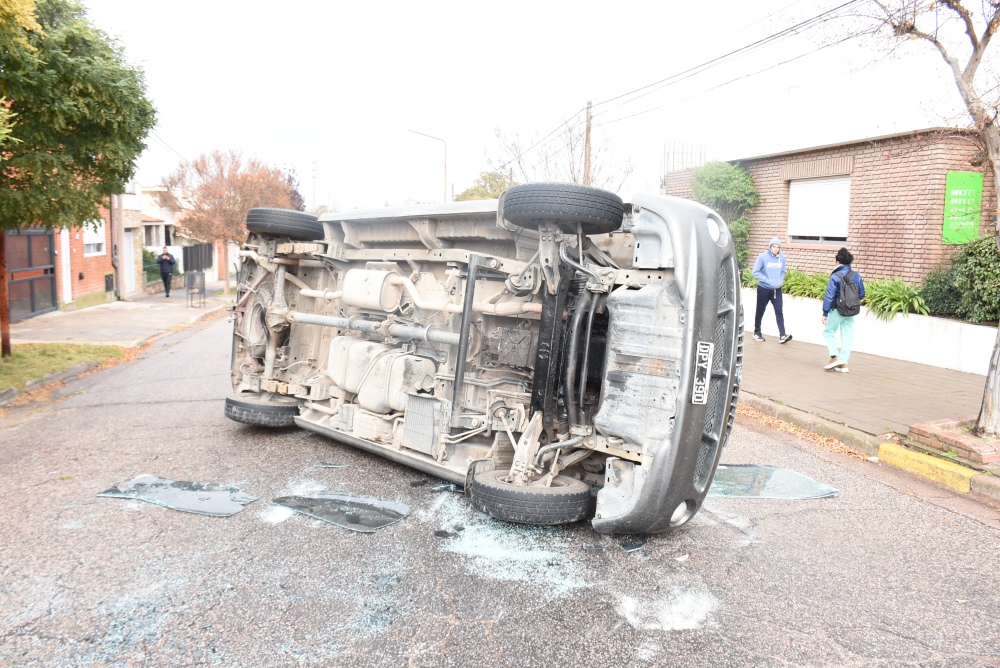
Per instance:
x=883, y=197
x=72, y=268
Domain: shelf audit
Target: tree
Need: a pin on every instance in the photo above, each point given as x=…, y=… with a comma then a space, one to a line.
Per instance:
x=80, y=117
x=216, y=192
x=561, y=158
x=729, y=190
x=296, y=198
x=17, y=17
x=961, y=33
x=489, y=185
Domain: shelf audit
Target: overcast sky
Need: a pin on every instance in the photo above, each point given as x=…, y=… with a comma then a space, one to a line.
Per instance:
x=334, y=89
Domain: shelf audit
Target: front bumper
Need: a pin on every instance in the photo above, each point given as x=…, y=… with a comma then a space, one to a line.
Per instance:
x=671, y=382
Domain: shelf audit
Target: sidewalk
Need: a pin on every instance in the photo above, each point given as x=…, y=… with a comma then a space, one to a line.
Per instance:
x=123, y=323
x=878, y=396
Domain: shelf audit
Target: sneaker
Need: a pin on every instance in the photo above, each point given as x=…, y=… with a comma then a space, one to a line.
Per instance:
x=757, y=336
x=784, y=338
x=833, y=364
x=842, y=369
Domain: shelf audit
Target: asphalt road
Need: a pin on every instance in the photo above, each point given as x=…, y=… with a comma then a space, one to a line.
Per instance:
x=892, y=572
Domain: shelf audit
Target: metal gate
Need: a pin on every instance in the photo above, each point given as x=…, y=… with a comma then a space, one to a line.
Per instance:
x=31, y=273
x=197, y=257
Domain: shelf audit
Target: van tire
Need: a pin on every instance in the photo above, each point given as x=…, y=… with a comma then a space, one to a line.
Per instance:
x=284, y=223
x=250, y=409
x=568, y=500
x=565, y=205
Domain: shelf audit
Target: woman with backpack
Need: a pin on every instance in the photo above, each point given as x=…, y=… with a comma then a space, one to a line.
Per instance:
x=842, y=302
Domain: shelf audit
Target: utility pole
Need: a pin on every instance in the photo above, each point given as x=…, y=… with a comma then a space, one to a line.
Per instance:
x=586, y=150
x=444, y=186
x=315, y=168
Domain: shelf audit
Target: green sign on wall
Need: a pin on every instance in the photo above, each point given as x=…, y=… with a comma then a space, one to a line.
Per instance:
x=963, y=198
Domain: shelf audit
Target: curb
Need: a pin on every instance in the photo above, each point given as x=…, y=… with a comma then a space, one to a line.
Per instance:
x=9, y=395
x=139, y=343
x=958, y=477
x=856, y=439
x=947, y=473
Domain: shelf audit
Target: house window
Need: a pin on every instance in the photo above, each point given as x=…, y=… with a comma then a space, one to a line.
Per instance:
x=153, y=235
x=93, y=238
x=818, y=210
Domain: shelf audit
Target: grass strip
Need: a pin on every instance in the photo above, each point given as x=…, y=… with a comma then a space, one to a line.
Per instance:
x=29, y=361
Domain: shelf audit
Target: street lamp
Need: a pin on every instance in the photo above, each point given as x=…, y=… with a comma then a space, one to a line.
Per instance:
x=445, y=189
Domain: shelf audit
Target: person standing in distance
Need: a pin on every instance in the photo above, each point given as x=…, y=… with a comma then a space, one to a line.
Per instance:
x=166, y=262
x=769, y=270
x=833, y=318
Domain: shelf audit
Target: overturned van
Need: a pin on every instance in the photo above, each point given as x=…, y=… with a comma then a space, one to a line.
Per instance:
x=563, y=354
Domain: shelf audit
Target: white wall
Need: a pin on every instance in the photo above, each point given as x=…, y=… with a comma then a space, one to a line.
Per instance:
x=939, y=342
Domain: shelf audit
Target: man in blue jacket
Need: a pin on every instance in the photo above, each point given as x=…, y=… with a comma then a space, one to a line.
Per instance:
x=769, y=270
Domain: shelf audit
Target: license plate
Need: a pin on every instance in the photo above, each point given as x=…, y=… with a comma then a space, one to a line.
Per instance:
x=702, y=372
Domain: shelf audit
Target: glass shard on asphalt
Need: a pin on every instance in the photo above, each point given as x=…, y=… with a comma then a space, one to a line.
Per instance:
x=633, y=542
x=190, y=497
x=357, y=513
x=449, y=487
x=766, y=482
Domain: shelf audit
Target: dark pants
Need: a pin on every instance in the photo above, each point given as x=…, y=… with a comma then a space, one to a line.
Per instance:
x=166, y=282
x=765, y=295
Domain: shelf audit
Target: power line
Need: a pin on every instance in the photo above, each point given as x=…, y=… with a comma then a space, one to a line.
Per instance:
x=698, y=69
x=692, y=71
x=744, y=76
x=170, y=148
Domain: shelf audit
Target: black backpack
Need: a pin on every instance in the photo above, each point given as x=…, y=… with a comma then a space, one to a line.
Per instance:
x=848, y=302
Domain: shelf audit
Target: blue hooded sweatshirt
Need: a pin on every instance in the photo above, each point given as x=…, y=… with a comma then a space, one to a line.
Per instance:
x=770, y=269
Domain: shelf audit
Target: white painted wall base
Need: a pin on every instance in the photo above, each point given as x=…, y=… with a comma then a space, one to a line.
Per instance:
x=939, y=342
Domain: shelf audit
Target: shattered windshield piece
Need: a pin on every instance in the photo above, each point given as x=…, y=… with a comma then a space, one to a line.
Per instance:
x=357, y=513
x=766, y=482
x=190, y=497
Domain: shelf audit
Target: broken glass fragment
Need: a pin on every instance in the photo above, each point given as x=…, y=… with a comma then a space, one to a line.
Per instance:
x=190, y=497
x=441, y=533
x=324, y=465
x=766, y=482
x=448, y=487
x=633, y=542
x=357, y=513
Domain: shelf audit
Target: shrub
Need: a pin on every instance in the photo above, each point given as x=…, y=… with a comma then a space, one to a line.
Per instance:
x=940, y=293
x=800, y=284
x=885, y=297
x=747, y=280
x=729, y=190
x=977, y=277
x=149, y=265
x=740, y=231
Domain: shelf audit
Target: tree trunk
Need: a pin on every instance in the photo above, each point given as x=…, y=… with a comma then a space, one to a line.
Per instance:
x=225, y=261
x=4, y=299
x=988, y=422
